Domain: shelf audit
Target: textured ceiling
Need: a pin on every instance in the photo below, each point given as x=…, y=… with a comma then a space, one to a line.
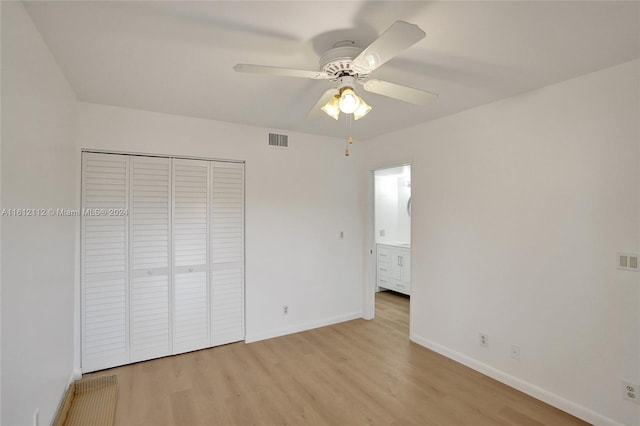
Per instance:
x=178, y=57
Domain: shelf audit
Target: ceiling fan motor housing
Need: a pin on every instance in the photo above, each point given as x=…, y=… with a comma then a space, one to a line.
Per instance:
x=338, y=62
x=346, y=81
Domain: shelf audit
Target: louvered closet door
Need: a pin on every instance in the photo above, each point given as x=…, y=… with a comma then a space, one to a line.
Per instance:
x=227, y=252
x=104, y=296
x=168, y=277
x=190, y=236
x=150, y=219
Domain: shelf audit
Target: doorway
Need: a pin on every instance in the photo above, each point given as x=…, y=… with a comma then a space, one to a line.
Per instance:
x=392, y=239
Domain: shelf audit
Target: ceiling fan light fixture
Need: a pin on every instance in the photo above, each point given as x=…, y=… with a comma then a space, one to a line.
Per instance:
x=332, y=108
x=362, y=110
x=347, y=64
x=349, y=101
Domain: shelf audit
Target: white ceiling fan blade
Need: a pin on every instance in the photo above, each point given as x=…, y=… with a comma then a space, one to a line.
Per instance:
x=391, y=42
x=284, y=72
x=400, y=92
x=316, y=112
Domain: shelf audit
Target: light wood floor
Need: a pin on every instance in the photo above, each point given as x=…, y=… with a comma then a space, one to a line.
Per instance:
x=354, y=373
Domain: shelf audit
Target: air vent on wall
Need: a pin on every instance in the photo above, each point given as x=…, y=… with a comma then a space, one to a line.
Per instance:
x=629, y=261
x=281, y=141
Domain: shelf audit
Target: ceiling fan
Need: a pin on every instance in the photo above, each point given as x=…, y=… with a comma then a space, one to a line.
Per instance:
x=348, y=64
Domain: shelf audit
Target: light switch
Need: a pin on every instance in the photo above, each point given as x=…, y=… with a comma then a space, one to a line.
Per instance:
x=633, y=262
x=382, y=233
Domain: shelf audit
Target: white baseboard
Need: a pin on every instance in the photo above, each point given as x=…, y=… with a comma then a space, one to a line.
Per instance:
x=255, y=337
x=76, y=375
x=550, y=398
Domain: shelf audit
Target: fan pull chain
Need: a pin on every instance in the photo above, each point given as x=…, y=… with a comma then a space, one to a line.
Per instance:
x=350, y=138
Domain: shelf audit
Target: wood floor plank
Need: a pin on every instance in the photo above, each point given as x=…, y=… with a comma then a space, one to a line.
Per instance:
x=354, y=373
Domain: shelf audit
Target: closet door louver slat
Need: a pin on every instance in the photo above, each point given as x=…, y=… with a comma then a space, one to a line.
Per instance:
x=227, y=252
x=150, y=210
x=104, y=296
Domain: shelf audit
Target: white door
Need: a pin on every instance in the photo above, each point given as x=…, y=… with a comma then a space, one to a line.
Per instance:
x=162, y=259
x=190, y=236
x=227, y=252
x=149, y=227
x=104, y=259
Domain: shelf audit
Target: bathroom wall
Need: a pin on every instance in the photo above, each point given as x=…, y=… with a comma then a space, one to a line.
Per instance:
x=392, y=192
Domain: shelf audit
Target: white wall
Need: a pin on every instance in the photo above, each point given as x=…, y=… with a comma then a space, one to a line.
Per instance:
x=38, y=164
x=0, y=225
x=519, y=208
x=386, y=208
x=297, y=202
x=391, y=196
x=404, y=220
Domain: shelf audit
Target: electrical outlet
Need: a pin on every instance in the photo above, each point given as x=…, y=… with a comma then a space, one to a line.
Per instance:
x=36, y=417
x=515, y=352
x=631, y=392
x=285, y=310
x=484, y=340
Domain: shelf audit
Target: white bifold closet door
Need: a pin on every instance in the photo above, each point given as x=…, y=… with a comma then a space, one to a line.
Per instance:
x=149, y=233
x=190, y=233
x=168, y=277
x=227, y=252
x=105, y=259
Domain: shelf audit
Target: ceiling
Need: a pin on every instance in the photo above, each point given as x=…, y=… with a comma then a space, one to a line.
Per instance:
x=178, y=57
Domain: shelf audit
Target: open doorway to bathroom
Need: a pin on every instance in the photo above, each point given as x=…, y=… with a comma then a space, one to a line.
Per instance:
x=392, y=227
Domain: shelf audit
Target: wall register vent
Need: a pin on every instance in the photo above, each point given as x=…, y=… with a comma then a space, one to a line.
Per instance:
x=628, y=261
x=281, y=141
